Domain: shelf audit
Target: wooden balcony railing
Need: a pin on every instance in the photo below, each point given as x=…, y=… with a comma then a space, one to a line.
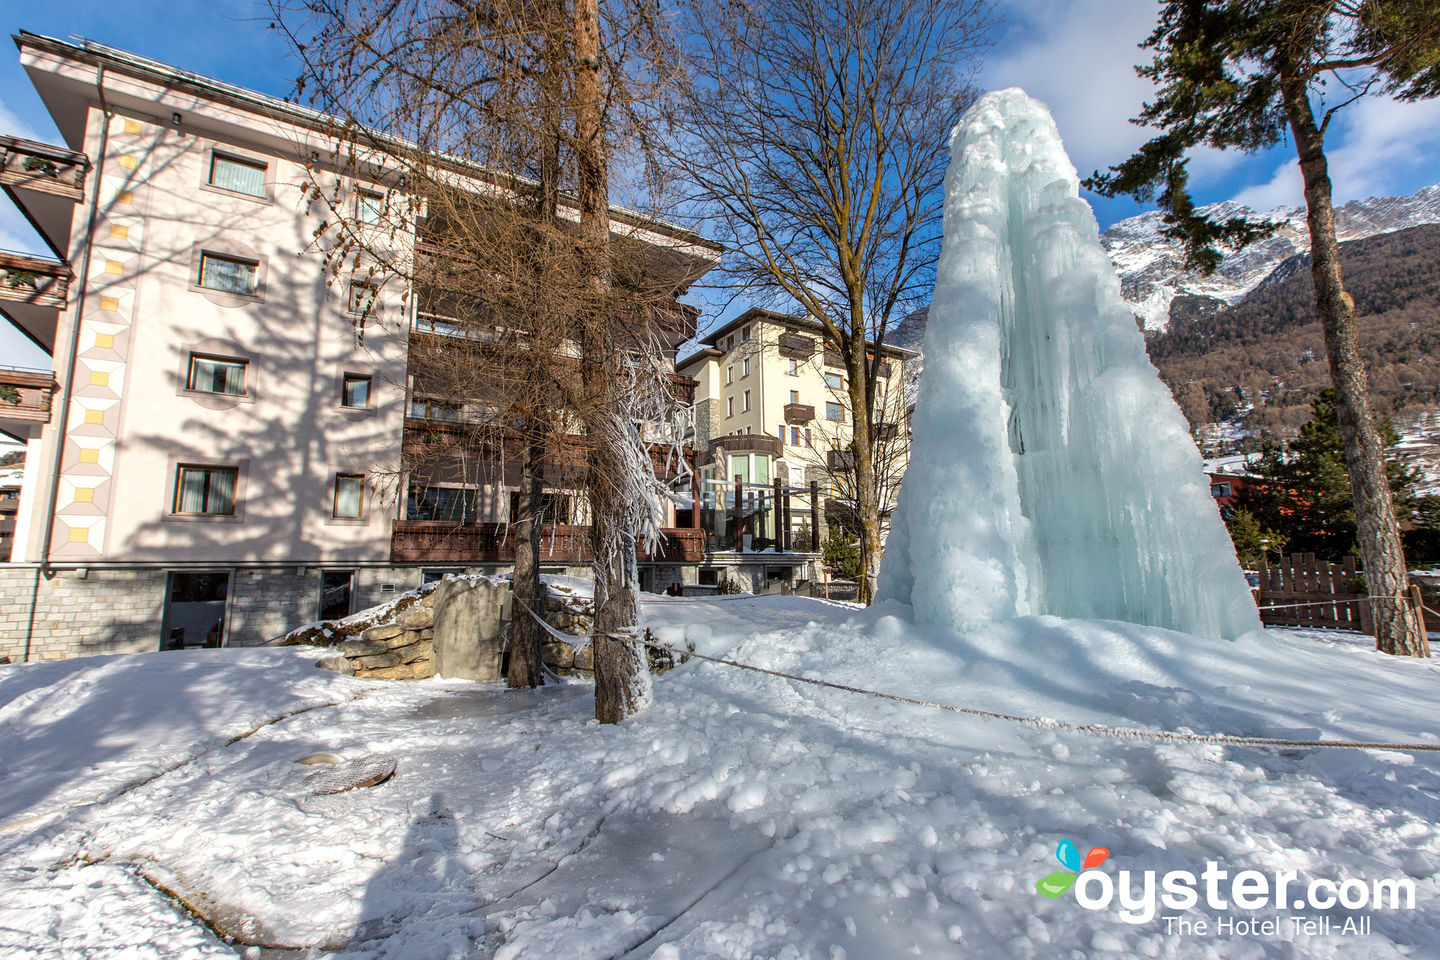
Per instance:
x=434, y=541
x=28, y=165
x=799, y=412
x=796, y=346
x=33, y=389
x=26, y=278
x=837, y=460
x=748, y=443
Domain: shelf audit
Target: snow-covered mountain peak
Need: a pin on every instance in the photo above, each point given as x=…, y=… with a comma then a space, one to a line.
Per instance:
x=1151, y=265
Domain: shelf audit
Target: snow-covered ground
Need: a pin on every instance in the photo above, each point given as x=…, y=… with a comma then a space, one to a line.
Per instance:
x=741, y=816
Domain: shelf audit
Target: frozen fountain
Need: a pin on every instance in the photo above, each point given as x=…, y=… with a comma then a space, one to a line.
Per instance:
x=1051, y=471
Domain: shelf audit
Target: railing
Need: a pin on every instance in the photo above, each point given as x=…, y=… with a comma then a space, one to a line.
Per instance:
x=438, y=541
x=34, y=388
x=26, y=278
x=28, y=165
x=796, y=347
x=840, y=459
x=747, y=443
x=799, y=412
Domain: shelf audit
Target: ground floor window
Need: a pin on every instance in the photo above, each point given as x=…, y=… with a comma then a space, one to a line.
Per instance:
x=336, y=590
x=195, y=610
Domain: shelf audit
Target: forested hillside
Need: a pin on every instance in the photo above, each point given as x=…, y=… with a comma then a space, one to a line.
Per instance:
x=1266, y=354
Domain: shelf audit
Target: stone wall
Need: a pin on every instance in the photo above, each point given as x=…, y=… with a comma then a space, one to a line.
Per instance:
x=265, y=602
x=404, y=650
x=109, y=611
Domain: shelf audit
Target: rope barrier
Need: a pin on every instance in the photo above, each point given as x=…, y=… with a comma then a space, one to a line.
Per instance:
x=1041, y=723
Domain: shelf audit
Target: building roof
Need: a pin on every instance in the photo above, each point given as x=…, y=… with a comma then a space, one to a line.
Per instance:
x=709, y=343
x=170, y=77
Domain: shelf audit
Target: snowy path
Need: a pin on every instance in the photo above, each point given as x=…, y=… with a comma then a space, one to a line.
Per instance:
x=741, y=816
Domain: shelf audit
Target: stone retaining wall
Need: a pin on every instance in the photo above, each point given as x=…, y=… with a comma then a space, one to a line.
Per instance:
x=403, y=650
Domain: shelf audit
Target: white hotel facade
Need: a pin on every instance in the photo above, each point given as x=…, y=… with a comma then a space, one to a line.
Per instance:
x=205, y=459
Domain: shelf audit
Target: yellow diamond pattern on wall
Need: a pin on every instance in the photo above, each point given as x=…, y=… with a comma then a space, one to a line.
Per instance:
x=100, y=372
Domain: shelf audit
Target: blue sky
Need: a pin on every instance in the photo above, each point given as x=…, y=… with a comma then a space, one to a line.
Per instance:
x=1076, y=55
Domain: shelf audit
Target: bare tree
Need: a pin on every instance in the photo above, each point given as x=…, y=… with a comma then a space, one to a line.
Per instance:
x=815, y=133
x=543, y=324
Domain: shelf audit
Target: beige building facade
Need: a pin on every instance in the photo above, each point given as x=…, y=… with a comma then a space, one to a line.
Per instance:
x=772, y=404
x=216, y=451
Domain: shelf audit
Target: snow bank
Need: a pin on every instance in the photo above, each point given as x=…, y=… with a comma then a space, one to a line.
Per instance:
x=742, y=815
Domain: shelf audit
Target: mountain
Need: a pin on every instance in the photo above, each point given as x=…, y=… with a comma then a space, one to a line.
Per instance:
x=1154, y=281
x=1261, y=360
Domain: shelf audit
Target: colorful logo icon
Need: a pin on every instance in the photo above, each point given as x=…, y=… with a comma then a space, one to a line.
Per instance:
x=1057, y=883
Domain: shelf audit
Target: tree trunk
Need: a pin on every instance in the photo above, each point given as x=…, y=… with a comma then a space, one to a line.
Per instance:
x=621, y=678
x=866, y=492
x=1377, y=532
x=526, y=635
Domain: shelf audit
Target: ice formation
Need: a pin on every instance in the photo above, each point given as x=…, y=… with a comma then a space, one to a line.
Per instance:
x=1051, y=471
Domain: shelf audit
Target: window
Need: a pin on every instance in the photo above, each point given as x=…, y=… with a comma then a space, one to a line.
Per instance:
x=792, y=367
x=744, y=333
x=795, y=436
x=355, y=391
x=424, y=408
x=241, y=176
x=214, y=375
x=730, y=374
x=794, y=396
x=428, y=324
x=834, y=381
x=335, y=591
x=362, y=297
x=369, y=206
x=1220, y=490
x=746, y=407
x=205, y=491
x=452, y=504
x=554, y=507
x=782, y=433
x=745, y=367
x=229, y=274
x=729, y=406
x=834, y=411
x=730, y=343
x=349, y=496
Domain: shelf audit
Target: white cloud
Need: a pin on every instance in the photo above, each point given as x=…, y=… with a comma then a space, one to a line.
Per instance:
x=11, y=124
x=1079, y=58
x=1283, y=189
x=1377, y=147
x=1382, y=144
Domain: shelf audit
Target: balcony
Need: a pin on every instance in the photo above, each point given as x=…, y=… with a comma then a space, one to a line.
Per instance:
x=796, y=347
x=884, y=369
x=28, y=165
x=45, y=182
x=747, y=443
x=885, y=432
x=32, y=393
x=26, y=278
x=833, y=358
x=799, y=412
x=682, y=388
x=839, y=460
x=432, y=541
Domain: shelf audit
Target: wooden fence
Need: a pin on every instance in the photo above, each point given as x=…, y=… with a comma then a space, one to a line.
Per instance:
x=1301, y=591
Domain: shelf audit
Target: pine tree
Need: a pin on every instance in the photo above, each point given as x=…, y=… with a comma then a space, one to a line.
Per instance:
x=1304, y=493
x=1246, y=74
